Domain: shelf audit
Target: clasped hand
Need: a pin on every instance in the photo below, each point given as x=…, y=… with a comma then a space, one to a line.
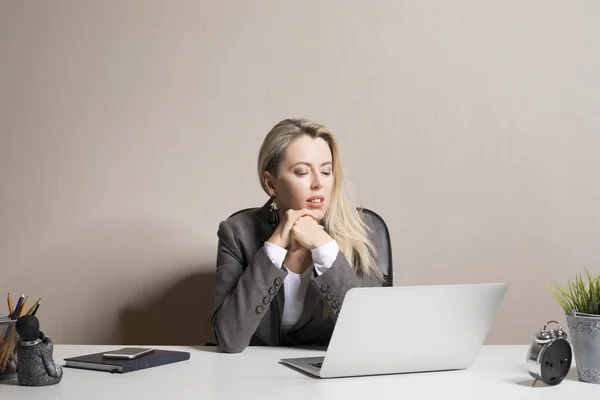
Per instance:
x=299, y=228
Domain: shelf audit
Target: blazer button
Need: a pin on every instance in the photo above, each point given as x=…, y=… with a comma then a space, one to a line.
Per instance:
x=324, y=288
x=266, y=300
x=277, y=281
x=259, y=309
x=335, y=304
x=272, y=291
x=329, y=295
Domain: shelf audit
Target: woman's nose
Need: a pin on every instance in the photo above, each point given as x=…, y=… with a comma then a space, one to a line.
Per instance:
x=316, y=183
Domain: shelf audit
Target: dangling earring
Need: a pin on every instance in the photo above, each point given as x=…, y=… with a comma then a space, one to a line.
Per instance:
x=274, y=215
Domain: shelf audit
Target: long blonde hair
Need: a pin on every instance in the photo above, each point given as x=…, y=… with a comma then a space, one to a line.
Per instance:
x=342, y=221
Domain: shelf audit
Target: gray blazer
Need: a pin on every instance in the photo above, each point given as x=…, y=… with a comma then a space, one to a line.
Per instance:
x=249, y=289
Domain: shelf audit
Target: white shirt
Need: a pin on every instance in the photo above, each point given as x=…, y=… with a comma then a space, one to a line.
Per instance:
x=297, y=284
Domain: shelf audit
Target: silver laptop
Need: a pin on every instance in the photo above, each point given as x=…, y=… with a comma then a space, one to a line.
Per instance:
x=405, y=329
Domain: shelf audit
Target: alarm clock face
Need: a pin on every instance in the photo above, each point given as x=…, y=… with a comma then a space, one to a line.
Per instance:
x=556, y=362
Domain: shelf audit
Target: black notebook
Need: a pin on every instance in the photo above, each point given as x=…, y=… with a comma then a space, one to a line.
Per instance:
x=99, y=363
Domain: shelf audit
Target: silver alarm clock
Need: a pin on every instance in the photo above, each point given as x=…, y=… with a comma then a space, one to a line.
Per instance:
x=550, y=355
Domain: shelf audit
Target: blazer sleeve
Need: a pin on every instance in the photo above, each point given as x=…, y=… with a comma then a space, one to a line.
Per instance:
x=243, y=292
x=333, y=284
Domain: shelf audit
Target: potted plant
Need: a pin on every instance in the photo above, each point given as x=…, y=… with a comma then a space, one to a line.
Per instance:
x=581, y=304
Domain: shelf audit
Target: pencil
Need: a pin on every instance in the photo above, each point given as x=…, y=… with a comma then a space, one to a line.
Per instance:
x=34, y=307
x=8, y=347
x=3, y=352
x=10, y=306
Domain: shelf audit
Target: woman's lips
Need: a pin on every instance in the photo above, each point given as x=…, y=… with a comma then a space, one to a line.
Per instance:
x=316, y=201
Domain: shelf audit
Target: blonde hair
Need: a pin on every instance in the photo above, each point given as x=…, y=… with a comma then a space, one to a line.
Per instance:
x=342, y=220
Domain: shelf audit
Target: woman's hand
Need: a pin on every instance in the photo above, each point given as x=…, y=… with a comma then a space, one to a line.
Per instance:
x=282, y=235
x=308, y=233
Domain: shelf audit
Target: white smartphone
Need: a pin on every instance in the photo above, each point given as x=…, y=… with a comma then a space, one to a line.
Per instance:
x=128, y=353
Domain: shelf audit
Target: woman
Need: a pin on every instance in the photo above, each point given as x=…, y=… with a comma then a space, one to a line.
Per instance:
x=283, y=270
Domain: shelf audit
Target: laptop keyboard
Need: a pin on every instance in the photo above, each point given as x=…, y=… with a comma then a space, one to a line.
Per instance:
x=317, y=364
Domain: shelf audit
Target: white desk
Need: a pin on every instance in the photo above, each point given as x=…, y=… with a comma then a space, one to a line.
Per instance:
x=498, y=373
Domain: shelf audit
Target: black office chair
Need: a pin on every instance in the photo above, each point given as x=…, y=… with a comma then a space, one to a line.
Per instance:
x=385, y=250
x=383, y=235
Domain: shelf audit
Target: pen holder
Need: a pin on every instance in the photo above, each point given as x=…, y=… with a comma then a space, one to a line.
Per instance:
x=8, y=349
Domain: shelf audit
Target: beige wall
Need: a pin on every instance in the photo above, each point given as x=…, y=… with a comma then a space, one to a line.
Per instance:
x=129, y=129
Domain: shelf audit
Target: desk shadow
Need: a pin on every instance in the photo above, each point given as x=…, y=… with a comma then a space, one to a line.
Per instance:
x=571, y=376
x=207, y=347
x=298, y=370
x=178, y=316
x=532, y=383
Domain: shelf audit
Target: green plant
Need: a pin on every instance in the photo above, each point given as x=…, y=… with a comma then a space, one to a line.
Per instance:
x=578, y=296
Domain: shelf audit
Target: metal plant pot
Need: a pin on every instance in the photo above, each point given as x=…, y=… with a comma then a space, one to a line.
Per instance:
x=585, y=338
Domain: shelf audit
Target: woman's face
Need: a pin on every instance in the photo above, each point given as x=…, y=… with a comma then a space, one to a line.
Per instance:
x=305, y=177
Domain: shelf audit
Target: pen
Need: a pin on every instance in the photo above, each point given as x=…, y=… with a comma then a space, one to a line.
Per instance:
x=18, y=306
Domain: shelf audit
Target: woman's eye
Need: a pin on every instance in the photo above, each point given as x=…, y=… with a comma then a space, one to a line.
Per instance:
x=326, y=173
x=301, y=173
